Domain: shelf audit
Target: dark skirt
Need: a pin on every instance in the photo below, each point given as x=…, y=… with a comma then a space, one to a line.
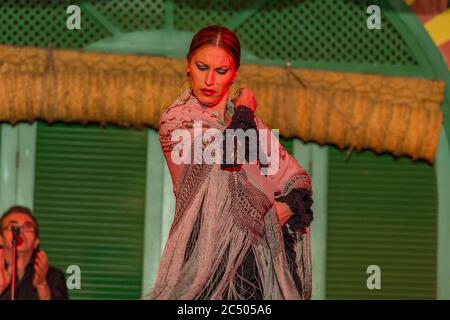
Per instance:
x=247, y=281
x=249, y=286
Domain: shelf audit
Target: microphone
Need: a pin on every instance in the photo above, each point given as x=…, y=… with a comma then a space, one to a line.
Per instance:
x=16, y=235
x=15, y=230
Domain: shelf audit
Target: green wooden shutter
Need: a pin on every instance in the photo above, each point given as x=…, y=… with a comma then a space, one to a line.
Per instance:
x=382, y=211
x=90, y=202
x=288, y=144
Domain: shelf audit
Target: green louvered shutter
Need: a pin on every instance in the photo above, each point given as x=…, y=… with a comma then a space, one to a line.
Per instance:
x=383, y=212
x=288, y=144
x=90, y=202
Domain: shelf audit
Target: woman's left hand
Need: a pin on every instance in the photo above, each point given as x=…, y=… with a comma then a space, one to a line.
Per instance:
x=283, y=212
x=246, y=98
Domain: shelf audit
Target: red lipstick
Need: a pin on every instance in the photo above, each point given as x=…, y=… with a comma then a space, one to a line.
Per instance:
x=208, y=92
x=19, y=240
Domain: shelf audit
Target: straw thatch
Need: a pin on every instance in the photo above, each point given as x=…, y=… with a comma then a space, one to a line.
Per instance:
x=386, y=114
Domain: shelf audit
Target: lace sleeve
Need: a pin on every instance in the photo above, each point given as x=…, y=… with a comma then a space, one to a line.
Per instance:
x=292, y=186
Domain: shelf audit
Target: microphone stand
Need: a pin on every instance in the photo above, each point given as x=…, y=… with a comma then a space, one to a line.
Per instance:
x=15, y=233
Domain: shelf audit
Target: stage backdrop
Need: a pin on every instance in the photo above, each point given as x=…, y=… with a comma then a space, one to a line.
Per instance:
x=103, y=194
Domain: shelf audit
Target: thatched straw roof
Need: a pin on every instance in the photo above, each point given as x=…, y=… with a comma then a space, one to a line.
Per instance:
x=387, y=114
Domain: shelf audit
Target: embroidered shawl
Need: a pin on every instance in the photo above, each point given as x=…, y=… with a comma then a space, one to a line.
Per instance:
x=221, y=215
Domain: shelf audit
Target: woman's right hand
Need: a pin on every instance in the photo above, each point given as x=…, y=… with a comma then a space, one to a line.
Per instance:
x=247, y=98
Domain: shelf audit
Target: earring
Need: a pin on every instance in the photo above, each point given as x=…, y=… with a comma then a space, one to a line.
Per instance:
x=235, y=94
x=181, y=89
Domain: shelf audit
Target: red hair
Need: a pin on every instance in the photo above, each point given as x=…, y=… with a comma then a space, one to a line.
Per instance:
x=217, y=36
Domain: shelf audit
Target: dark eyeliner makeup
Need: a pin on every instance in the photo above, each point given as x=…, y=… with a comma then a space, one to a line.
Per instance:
x=222, y=71
x=202, y=67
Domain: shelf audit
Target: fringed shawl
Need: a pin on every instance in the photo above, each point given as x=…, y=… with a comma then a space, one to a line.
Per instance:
x=221, y=215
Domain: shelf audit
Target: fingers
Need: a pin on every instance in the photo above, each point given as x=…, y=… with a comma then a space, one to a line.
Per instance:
x=247, y=98
x=5, y=280
x=40, y=274
x=2, y=260
x=42, y=257
x=2, y=268
x=5, y=276
x=245, y=92
x=41, y=263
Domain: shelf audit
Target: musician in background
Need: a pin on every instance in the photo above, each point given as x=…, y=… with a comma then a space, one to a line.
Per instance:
x=35, y=280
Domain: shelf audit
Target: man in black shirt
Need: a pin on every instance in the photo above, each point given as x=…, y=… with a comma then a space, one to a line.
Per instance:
x=35, y=280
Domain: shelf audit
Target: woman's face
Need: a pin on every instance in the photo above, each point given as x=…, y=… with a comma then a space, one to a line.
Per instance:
x=212, y=70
